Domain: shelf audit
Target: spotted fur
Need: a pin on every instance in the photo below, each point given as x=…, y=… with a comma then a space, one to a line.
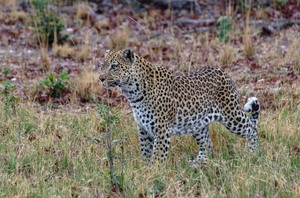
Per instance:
x=165, y=105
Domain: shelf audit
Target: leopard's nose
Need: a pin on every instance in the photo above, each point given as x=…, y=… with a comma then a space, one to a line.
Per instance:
x=102, y=78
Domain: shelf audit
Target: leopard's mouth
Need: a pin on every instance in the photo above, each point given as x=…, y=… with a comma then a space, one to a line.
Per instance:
x=113, y=83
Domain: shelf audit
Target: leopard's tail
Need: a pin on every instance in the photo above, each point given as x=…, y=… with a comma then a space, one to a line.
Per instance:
x=253, y=106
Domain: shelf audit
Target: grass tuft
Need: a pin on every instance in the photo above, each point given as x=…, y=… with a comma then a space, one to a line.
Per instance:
x=227, y=55
x=8, y=3
x=45, y=60
x=119, y=39
x=293, y=53
x=84, y=50
x=64, y=51
x=86, y=85
x=249, y=48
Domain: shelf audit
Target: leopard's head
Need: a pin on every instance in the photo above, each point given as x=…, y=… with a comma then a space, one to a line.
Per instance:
x=116, y=69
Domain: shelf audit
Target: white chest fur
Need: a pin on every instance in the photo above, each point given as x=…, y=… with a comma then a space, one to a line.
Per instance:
x=144, y=118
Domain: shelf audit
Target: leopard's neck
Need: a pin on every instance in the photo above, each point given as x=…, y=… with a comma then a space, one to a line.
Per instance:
x=144, y=81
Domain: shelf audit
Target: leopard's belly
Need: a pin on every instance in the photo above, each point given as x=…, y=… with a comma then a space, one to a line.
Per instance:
x=185, y=121
x=188, y=124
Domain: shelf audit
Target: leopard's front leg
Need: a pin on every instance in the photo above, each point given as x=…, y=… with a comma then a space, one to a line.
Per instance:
x=161, y=143
x=146, y=141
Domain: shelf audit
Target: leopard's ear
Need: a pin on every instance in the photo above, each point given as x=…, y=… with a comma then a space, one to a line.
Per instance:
x=128, y=55
x=106, y=53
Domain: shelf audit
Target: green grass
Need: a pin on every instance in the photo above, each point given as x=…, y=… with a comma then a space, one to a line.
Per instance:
x=45, y=154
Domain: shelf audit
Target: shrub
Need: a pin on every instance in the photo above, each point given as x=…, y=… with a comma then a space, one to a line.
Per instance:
x=48, y=26
x=7, y=93
x=54, y=85
x=110, y=118
x=225, y=26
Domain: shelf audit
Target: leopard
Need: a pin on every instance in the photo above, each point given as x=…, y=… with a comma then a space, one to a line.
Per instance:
x=165, y=104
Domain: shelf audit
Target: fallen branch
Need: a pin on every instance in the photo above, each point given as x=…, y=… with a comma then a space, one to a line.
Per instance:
x=194, y=30
x=174, y=4
x=197, y=30
x=198, y=22
x=271, y=27
x=274, y=27
x=86, y=9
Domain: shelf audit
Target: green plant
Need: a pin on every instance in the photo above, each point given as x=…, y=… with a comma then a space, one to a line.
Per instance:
x=7, y=93
x=5, y=71
x=47, y=23
x=225, y=26
x=278, y=3
x=157, y=187
x=110, y=119
x=55, y=85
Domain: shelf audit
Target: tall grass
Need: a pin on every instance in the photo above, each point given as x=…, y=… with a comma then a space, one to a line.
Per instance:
x=44, y=153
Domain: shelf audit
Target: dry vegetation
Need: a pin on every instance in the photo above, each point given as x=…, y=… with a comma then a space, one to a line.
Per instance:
x=44, y=151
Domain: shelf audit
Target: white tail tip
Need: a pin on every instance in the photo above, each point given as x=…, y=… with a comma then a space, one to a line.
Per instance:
x=248, y=105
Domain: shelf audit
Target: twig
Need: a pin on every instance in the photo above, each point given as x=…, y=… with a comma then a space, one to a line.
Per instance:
x=96, y=141
x=109, y=143
x=96, y=193
x=123, y=153
x=197, y=7
x=146, y=32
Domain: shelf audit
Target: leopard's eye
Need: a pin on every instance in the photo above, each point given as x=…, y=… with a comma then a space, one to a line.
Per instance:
x=114, y=65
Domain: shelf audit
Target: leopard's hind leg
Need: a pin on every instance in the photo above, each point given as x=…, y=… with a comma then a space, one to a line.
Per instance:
x=237, y=121
x=203, y=139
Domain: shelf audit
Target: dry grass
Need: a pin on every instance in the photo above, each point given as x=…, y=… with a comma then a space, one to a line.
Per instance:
x=83, y=54
x=45, y=60
x=119, y=39
x=261, y=13
x=46, y=154
x=9, y=3
x=64, y=51
x=84, y=50
x=281, y=52
x=227, y=55
x=14, y=16
x=83, y=11
x=4, y=40
x=86, y=85
x=79, y=53
x=293, y=53
x=102, y=25
x=249, y=48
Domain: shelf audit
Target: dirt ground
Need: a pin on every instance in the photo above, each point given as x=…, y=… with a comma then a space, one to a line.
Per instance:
x=262, y=63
